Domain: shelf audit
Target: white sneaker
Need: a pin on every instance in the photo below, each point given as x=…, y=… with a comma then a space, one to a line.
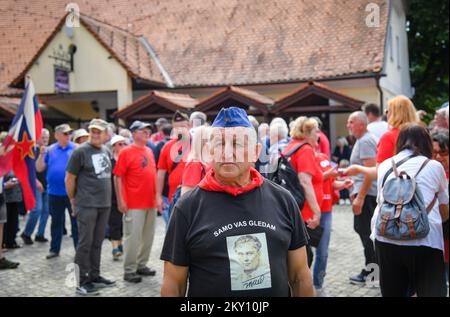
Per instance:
x=341, y=202
x=348, y=202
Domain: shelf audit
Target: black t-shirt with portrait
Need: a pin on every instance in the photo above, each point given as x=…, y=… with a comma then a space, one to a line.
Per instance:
x=235, y=245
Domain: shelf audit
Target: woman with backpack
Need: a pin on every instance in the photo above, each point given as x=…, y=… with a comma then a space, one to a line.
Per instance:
x=415, y=259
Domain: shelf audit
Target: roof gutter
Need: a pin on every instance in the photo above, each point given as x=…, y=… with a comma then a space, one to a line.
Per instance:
x=385, y=52
x=380, y=90
x=155, y=57
x=345, y=77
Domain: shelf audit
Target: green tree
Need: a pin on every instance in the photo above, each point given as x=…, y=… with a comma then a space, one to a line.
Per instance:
x=427, y=26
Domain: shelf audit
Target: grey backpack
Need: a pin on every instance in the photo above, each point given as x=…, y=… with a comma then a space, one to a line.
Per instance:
x=403, y=215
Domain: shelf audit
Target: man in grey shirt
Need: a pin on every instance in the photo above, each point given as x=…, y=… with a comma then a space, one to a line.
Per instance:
x=88, y=185
x=364, y=192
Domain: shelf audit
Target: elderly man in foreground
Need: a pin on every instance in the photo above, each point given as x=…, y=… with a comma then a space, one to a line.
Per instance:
x=235, y=234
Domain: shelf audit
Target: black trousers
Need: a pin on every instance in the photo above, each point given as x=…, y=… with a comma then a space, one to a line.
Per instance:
x=404, y=266
x=115, y=224
x=11, y=225
x=310, y=255
x=361, y=225
x=91, y=223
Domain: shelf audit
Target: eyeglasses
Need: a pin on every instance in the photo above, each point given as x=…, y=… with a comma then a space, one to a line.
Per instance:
x=67, y=133
x=440, y=153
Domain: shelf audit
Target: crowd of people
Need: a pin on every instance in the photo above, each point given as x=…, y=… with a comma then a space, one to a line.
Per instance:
x=231, y=230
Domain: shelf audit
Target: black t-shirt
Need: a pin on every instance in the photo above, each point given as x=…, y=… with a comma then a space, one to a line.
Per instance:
x=42, y=176
x=235, y=245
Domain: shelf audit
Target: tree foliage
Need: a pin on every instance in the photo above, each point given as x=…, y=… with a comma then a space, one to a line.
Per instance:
x=427, y=26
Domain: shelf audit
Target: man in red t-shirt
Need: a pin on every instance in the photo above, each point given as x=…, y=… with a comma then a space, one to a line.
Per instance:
x=135, y=183
x=172, y=159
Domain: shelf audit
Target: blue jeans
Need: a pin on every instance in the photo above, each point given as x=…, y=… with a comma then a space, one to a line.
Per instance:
x=39, y=213
x=320, y=264
x=166, y=215
x=57, y=207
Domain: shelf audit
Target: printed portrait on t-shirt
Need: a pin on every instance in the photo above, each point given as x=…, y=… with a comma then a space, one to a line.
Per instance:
x=249, y=262
x=144, y=161
x=101, y=165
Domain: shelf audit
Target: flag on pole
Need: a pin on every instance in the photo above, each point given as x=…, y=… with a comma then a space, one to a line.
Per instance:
x=18, y=151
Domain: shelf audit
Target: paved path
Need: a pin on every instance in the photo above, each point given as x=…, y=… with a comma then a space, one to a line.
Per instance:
x=37, y=276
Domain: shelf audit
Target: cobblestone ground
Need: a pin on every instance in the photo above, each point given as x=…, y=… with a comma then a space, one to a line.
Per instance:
x=37, y=276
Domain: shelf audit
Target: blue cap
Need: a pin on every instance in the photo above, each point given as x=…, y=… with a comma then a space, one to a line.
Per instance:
x=137, y=125
x=232, y=117
x=444, y=105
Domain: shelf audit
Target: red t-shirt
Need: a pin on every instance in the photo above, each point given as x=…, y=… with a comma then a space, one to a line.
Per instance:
x=325, y=165
x=304, y=160
x=194, y=173
x=386, y=145
x=165, y=162
x=324, y=144
x=136, y=166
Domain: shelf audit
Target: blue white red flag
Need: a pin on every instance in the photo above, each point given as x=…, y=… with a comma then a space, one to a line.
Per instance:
x=18, y=151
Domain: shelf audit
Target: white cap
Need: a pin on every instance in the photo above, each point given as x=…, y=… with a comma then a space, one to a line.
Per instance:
x=117, y=138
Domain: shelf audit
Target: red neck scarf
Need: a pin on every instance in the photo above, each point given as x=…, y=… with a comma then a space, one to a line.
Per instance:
x=211, y=184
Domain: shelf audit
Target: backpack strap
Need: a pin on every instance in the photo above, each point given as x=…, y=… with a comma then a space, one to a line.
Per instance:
x=295, y=149
x=431, y=205
x=392, y=168
x=422, y=166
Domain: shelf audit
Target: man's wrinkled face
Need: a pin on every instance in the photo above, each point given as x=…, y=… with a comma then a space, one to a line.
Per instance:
x=141, y=135
x=248, y=255
x=97, y=137
x=63, y=138
x=233, y=151
x=354, y=126
x=43, y=140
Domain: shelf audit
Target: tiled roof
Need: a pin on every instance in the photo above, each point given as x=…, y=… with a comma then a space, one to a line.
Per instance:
x=345, y=102
x=9, y=106
x=174, y=101
x=11, y=92
x=125, y=47
x=246, y=96
x=212, y=42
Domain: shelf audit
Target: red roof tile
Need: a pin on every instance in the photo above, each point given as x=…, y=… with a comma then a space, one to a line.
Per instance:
x=240, y=95
x=173, y=101
x=213, y=42
x=9, y=105
x=313, y=88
